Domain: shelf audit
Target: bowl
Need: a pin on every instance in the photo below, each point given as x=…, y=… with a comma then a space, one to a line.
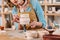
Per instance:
x=50, y=31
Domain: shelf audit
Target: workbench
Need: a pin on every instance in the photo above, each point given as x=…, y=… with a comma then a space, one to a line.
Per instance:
x=13, y=35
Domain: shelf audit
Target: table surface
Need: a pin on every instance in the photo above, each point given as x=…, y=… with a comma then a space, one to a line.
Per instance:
x=13, y=35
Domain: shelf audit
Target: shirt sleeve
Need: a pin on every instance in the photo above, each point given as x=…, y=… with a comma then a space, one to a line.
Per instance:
x=14, y=10
x=40, y=13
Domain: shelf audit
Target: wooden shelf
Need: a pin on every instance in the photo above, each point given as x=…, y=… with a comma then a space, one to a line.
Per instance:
x=53, y=4
x=4, y=5
x=42, y=4
x=52, y=14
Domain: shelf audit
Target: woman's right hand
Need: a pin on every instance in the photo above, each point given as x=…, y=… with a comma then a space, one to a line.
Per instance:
x=15, y=18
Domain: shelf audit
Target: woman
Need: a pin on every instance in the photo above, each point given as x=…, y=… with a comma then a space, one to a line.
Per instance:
x=23, y=4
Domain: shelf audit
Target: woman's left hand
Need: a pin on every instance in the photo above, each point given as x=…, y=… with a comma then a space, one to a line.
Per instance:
x=34, y=24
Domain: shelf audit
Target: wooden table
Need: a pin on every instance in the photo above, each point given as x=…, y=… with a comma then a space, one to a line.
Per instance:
x=5, y=37
x=13, y=35
x=9, y=36
x=51, y=37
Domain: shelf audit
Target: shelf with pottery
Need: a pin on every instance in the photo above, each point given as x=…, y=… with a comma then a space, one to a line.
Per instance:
x=53, y=12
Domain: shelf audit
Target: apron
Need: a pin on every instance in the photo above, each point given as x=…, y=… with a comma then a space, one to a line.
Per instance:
x=32, y=16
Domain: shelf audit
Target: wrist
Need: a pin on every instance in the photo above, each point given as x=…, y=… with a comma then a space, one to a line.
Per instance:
x=39, y=24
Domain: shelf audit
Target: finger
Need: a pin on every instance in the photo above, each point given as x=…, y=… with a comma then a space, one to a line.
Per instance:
x=17, y=20
x=32, y=23
x=33, y=26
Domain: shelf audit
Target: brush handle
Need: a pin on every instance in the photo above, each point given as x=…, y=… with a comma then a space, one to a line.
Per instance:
x=24, y=27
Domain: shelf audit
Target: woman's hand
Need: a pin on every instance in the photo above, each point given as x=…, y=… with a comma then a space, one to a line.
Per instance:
x=15, y=18
x=34, y=24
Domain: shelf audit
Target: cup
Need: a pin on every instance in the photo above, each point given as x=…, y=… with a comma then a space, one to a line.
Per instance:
x=2, y=28
x=31, y=34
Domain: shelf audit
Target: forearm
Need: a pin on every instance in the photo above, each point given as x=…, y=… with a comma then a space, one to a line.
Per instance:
x=40, y=15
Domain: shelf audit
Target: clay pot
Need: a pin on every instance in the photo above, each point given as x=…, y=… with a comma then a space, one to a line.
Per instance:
x=1, y=27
